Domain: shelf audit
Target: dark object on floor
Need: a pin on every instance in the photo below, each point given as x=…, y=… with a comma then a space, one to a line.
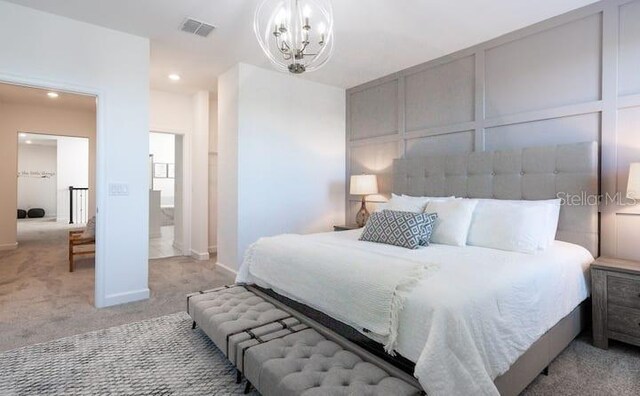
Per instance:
x=35, y=213
x=22, y=214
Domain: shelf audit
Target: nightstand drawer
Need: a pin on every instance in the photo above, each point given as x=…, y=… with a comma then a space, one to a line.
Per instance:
x=624, y=320
x=623, y=291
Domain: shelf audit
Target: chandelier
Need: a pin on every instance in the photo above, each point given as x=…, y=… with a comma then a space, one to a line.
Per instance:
x=296, y=35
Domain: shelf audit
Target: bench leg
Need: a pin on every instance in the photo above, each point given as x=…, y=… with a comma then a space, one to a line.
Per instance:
x=193, y=325
x=238, y=376
x=247, y=387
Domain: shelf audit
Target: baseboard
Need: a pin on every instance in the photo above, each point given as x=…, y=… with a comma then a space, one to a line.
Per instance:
x=126, y=297
x=9, y=246
x=224, y=267
x=199, y=255
x=213, y=249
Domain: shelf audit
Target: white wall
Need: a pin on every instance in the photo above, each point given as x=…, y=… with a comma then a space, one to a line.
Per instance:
x=61, y=53
x=34, y=190
x=188, y=116
x=200, y=178
x=73, y=170
x=228, y=138
x=213, y=173
x=281, y=149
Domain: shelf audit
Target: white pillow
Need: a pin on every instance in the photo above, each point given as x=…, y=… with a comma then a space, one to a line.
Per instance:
x=454, y=219
x=406, y=203
x=551, y=216
x=380, y=206
x=519, y=226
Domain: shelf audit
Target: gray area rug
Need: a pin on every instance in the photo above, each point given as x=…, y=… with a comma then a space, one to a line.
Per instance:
x=163, y=356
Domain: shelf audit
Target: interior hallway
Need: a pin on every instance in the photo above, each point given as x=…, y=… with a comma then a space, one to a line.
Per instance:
x=41, y=300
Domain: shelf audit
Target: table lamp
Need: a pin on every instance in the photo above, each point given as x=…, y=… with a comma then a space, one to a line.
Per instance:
x=633, y=186
x=363, y=185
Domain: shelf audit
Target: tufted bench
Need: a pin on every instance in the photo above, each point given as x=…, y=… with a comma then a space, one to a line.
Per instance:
x=281, y=355
x=223, y=312
x=306, y=363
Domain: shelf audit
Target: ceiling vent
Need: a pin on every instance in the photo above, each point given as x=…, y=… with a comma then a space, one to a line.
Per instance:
x=196, y=27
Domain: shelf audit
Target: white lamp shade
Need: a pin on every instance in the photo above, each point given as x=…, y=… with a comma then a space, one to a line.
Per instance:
x=364, y=185
x=633, y=186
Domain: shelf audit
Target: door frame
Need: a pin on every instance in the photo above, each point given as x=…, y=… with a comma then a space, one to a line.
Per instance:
x=101, y=166
x=185, y=247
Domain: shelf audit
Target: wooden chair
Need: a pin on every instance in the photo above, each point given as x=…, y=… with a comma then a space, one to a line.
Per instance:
x=76, y=239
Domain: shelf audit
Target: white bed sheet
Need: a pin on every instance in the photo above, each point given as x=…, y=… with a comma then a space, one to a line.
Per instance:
x=465, y=324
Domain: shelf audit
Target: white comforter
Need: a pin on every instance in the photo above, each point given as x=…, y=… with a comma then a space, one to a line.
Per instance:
x=466, y=323
x=313, y=270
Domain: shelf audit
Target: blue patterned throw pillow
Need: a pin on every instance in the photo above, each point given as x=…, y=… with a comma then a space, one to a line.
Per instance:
x=405, y=229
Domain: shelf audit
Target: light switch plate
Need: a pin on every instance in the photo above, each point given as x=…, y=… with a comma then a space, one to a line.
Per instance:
x=118, y=189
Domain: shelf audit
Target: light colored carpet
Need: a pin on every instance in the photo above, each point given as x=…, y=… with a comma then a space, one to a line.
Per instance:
x=41, y=301
x=584, y=370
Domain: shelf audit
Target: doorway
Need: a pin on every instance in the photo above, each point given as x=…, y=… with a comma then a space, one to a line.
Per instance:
x=47, y=144
x=53, y=185
x=165, y=195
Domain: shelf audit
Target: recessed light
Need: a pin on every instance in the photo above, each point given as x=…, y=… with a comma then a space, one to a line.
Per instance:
x=28, y=142
x=52, y=95
x=174, y=77
x=23, y=135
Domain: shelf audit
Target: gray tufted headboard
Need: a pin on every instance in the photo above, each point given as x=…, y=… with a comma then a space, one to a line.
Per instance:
x=531, y=173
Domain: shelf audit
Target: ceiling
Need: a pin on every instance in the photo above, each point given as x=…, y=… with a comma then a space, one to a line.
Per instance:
x=17, y=94
x=373, y=37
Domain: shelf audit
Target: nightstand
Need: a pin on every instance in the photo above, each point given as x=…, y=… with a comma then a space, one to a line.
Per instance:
x=345, y=227
x=615, y=300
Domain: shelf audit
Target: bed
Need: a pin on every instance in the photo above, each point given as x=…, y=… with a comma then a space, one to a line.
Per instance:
x=479, y=320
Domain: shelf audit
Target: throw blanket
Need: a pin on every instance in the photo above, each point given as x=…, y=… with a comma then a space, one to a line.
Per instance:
x=363, y=289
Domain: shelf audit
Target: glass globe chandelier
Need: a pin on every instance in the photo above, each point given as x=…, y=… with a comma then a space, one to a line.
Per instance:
x=296, y=35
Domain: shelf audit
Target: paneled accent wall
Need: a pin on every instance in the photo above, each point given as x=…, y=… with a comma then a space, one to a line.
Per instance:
x=572, y=78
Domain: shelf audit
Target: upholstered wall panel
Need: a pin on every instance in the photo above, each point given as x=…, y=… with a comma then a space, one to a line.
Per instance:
x=458, y=142
x=629, y=66
x=572, y=78
x=440, y=95
x=374, y=111
x=581, y=128
x=562, y=66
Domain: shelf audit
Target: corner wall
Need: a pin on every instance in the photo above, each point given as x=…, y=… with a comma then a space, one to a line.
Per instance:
x=281, y=150
x=63, y=54
x=572, y=78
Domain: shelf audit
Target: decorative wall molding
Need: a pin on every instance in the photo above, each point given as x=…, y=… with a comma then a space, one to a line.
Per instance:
x=563, y=80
